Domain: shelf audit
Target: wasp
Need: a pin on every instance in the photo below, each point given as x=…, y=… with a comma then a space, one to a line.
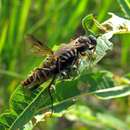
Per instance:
x=60, y=62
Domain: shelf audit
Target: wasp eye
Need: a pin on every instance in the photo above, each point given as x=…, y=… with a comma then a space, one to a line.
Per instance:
x=92, y=39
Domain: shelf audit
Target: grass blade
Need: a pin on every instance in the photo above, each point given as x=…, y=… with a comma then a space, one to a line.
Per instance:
x=125, y=6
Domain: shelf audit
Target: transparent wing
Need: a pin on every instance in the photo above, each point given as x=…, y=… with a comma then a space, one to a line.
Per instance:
x=37, y=46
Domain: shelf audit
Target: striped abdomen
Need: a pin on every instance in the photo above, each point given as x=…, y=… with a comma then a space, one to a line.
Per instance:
x=40, y=75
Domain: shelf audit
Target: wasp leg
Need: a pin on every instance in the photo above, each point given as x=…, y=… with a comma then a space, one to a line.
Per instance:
x=50, y=94
x=75, y=69
x=69, y=73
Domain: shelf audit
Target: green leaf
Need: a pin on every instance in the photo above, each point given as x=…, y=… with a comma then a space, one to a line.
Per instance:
x=102, y=119
x=29, y=126
x=115, y=92
x=113, y=25
x=111, y=121
x=87, y=23
x=24, y=104
x=116, y=25
x=26, y=107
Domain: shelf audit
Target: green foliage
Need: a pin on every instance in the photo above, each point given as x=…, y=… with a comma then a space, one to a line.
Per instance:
x=55, y=22
x=25, y=105
x=98, y=118
x=125, y=6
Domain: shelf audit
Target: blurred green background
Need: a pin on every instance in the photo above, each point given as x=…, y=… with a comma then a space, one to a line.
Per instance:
x=55, y=22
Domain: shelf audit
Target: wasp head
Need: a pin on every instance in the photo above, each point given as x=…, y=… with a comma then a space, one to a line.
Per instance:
x=86, y=43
